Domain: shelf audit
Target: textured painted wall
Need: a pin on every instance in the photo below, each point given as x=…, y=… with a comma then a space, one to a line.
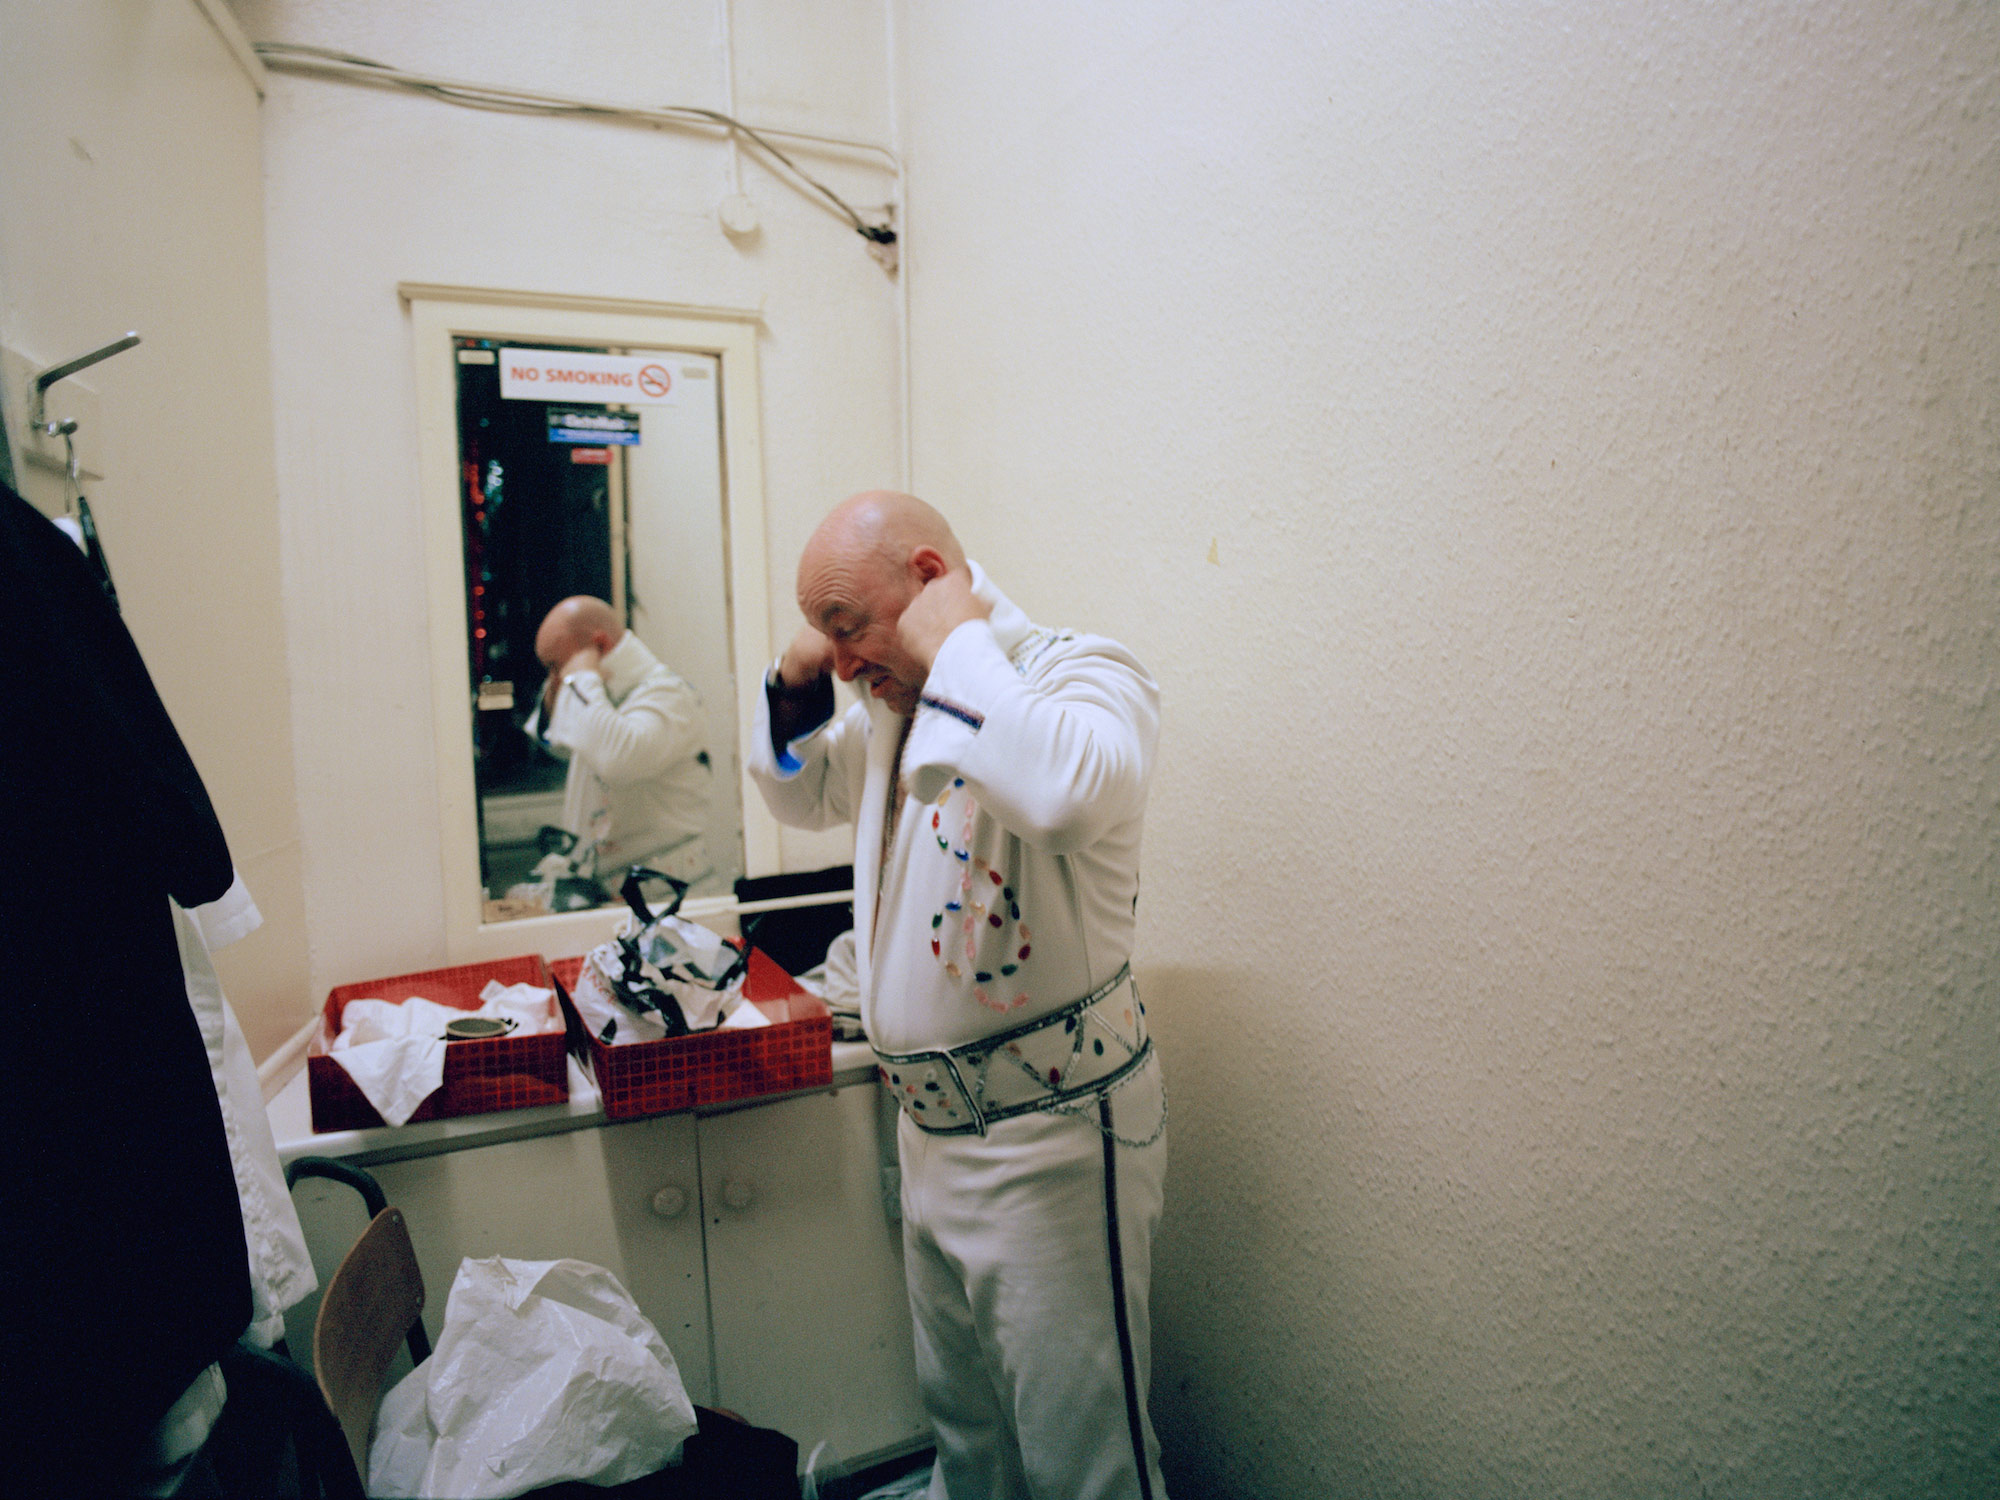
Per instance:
x=1550, y=456
x=367, y=188
x=131, y=198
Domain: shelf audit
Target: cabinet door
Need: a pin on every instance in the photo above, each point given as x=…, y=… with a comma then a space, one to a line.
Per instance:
x=811, y=1318
x=655, y=1193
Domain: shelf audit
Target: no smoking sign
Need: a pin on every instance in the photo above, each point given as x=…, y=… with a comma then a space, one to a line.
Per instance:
x=574, y=375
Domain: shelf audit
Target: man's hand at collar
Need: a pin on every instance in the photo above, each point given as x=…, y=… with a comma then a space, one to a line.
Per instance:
x=808, y=658
x=801, y=695
x=945, y=603
x=585, y=659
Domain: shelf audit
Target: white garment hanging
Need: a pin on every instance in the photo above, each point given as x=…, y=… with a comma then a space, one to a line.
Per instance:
x=281, y=1269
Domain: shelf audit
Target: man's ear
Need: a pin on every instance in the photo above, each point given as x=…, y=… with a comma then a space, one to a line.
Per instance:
x=928, y=563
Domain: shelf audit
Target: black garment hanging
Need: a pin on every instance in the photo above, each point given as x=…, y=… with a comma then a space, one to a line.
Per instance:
x=121, y=1237
x=93, y=550
x=84, y=523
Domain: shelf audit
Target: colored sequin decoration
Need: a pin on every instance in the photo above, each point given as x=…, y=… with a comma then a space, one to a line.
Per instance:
x=933, y=1095
x=1005, y=908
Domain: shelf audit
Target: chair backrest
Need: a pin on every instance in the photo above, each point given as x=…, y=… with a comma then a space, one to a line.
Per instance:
x=366, y=1311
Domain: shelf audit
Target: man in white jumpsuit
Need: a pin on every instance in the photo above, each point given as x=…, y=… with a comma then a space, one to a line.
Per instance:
x=632, y=732
x=996, y=777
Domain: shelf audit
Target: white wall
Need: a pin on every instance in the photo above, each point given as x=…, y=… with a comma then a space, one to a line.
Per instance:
x=1548, y=454
x=367, y=188
x=131, y=198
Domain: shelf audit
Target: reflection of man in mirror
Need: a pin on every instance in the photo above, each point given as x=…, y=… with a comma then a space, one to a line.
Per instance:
x=632, y=732
x=996, y=776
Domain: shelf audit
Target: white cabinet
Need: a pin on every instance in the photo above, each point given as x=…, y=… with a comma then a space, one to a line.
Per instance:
x=755, y=1239
x=805, y=1274
x=659, y=1256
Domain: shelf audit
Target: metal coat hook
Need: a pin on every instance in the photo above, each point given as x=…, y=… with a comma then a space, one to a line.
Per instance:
x=38, y=412
x=66, y=430
x=82, y=525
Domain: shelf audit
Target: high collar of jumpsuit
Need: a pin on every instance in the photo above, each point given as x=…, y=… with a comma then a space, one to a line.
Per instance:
x=622, y=667
x=1009, y=887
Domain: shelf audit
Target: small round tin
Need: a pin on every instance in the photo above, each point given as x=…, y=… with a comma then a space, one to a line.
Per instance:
x=475, y=1029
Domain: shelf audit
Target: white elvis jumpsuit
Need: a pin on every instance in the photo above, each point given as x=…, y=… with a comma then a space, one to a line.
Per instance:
x=638, y=789
x=1004, y=891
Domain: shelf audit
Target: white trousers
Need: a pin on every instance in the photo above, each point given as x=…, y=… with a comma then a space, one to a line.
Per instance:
x=1034, y=1383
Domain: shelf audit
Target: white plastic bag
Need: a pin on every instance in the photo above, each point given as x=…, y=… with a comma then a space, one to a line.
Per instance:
x=545, y=1371
x=672, y=957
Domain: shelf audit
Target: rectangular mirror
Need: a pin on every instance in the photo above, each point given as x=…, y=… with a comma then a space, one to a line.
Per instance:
x=560, y=497
x=577, y=446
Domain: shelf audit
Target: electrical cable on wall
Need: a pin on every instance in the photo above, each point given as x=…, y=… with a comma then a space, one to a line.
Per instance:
x=881, y=237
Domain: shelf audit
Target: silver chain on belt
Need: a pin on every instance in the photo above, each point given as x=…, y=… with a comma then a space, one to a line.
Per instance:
x=1080, y=1107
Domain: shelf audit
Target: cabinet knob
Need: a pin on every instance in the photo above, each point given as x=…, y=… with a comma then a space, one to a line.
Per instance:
x=738, y=1194
x=670, y=1202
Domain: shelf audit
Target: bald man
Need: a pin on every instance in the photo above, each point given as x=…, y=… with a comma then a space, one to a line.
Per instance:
x=633, y=734
x=995, y=774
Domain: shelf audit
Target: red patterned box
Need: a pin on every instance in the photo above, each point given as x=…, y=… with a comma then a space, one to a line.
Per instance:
x=509, y=1072
x=711, y=1067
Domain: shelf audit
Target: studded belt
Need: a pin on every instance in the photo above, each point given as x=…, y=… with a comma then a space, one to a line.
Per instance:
x=1087, y=1047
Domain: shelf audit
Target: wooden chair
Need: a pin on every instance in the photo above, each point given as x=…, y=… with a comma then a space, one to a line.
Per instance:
x=372, y=1304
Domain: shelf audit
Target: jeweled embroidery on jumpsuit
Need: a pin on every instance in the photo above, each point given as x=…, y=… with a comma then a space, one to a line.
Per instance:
x=986, y=913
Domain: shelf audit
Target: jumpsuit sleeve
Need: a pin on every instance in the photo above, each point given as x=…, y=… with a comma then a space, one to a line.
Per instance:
x=815, y=780
x=1060, y=760
x=653, y=729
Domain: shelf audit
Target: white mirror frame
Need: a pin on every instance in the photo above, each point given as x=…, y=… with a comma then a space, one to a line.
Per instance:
x=436, y=314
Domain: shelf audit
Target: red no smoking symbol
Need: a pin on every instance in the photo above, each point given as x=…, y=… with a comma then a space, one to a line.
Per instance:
x=654, y=380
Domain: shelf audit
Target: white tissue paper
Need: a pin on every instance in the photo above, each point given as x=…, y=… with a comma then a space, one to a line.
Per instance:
x=544, y=1371
x=395, y=1053
x=524, y=1004
x=744, y=1017
x=837, y=979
